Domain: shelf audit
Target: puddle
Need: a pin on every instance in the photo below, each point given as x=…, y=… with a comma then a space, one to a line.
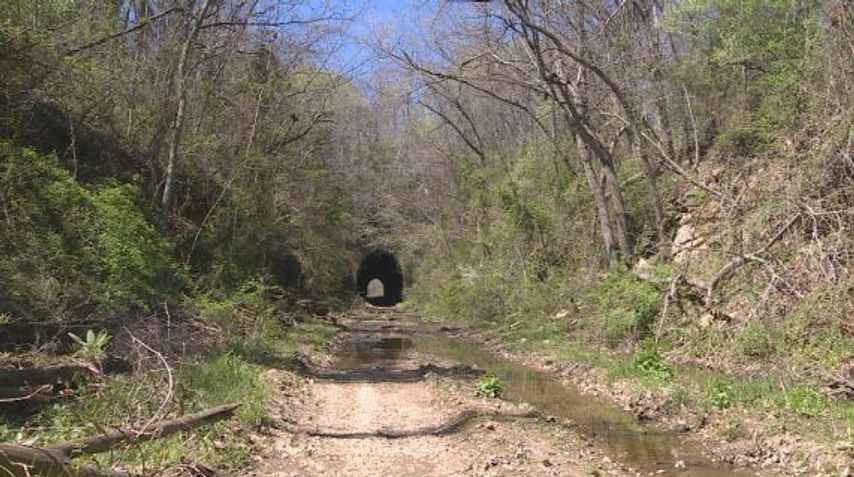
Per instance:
x=364, y=350
x=620, y=434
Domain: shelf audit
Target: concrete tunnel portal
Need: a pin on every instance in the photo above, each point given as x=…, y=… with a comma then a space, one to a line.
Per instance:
x=379, y=279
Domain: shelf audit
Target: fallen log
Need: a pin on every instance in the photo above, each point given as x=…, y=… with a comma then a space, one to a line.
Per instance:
x=381, y=375
x=27, y=332
x=52, y=461
x=449, y=427
x=40, y=395
x=52, y=374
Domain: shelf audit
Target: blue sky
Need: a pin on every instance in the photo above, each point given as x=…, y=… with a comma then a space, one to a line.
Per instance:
x=391, y=17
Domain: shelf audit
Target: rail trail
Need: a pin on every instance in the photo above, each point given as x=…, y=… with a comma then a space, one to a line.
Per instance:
x=394, y=402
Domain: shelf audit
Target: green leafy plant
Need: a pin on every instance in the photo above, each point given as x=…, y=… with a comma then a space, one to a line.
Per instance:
x=489, y=387
x=650, y=363
x=719, y=394
x=94, y=346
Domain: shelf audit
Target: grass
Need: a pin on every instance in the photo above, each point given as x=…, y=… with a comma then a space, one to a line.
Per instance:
x=130, y=401
x=233, y=375
x=610, y=331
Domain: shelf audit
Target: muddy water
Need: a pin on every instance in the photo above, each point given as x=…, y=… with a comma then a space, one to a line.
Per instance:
x=620, y=434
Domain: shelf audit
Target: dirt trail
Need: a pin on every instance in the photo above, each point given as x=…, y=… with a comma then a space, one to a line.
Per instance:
x=489, y=445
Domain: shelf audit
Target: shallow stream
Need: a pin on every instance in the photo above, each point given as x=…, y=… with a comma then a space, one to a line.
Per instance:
x=378, y=345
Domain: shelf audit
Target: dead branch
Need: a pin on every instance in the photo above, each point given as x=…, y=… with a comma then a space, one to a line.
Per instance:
x=670, y=295
x=451, y=426
x=171, y=384
x=40, y=394
x=44, y=375
x=730, y=267
x=138, y=26
x=52, y=461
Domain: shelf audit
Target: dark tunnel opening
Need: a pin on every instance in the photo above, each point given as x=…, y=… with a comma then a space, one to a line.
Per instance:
x=379, y=280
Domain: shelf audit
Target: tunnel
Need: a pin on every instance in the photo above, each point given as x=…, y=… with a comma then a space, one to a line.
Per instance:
x=379, y=280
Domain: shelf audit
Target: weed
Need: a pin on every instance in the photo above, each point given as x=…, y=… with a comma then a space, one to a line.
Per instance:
x=625, y=305
x=223, y=380
x=680, y=397
x=489, y=387
x=755, y=341
x=732, y=430
x=94, y=346
x=719, y=394
x=650, y=364
x=803, y=401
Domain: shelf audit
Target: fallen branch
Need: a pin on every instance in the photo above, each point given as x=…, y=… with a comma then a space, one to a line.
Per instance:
x=730, y=267
x=449, y=427
x=52, y=461
x=10, y=395
x=52, y=374
x=380, y=375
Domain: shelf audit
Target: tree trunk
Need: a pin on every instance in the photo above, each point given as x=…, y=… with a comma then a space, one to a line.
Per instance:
x=599, y=198
x=650, y=179
x=180, y=93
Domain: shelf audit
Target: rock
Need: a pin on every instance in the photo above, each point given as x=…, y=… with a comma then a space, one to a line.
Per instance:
x=490, y=426
x=680, y=428
x=844, y=446
x=847, y=472
x=492, y=461
x=547, y=463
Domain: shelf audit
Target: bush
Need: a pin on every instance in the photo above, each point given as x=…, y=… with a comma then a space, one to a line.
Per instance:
x=132, y=260
x=719, y=394
x=66, y=243
x=625, y=308
x=650, y=364
x=755, y=341
x=489, y=387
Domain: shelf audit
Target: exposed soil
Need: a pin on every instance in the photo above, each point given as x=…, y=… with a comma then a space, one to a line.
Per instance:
x=354, y=427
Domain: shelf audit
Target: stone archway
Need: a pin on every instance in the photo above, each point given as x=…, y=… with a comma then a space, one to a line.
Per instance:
x=380, y=266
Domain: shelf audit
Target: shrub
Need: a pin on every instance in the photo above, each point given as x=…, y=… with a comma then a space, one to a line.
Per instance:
x=625, y=308
x=489, y=387
x=67, y=243
x=650, y=364
x=755, y=341
x=719, y=394
x=131, y=258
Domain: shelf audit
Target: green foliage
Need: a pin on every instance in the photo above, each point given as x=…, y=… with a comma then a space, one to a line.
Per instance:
x=650, y=364
x=131, y=401
x=223, y=380
x=681, y=397
x=131, y=258
x=719, y=394
x=757, y=50
x=803, y=401
x=93, y=346
x=68, y=243
x=813, y=330
x=489, y=387
x=755, y=341
x=625, y=307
